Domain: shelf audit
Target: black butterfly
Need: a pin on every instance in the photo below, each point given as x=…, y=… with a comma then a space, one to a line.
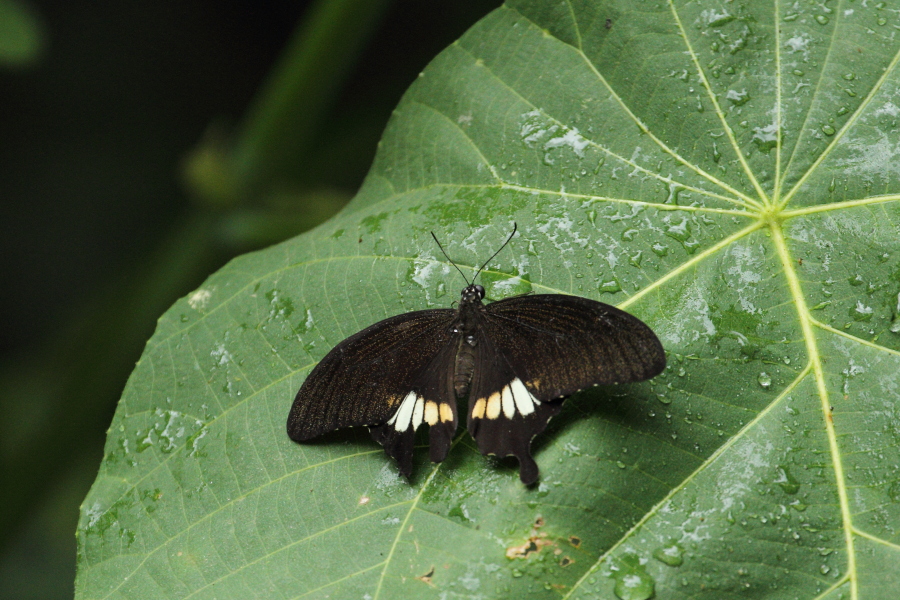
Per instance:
x=514, y=359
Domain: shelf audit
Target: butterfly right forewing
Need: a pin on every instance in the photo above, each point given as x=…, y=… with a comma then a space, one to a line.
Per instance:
x=561, y=344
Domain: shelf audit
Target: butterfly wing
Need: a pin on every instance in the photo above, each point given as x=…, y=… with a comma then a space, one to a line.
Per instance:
x=537, y=349
x=504, y=415
x=384, y=377
x=430, y=400
x=562, y=344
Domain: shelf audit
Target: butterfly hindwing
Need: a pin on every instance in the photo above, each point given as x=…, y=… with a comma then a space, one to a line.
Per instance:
x=430, y=401
x=504, y=414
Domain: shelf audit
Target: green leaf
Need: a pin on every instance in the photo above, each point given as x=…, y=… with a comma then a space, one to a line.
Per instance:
x=725, y=171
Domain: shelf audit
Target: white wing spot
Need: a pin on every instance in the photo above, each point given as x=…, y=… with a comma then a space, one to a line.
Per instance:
x=417, y=414
x=493, y=406
x=524, y=400
x=509, y=405
x=402, y=417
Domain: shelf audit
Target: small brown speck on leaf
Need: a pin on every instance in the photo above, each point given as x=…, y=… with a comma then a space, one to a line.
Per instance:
x=427, y=576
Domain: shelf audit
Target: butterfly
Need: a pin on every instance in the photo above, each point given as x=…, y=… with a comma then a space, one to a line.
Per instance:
x=514, y=360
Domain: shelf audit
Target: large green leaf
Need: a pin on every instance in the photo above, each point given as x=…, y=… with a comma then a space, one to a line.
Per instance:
x=725, y=171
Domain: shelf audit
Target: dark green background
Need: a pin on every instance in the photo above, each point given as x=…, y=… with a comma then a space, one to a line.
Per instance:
x=105, y=222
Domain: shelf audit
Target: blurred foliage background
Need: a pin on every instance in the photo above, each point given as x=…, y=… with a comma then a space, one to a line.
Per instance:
x=142, y=145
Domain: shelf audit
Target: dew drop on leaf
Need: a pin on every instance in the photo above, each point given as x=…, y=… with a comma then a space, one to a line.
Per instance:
x=861, y=312
x=632, y=580
x=635, y=259
x=671, y=554
x=764, y=380
x=610, y=287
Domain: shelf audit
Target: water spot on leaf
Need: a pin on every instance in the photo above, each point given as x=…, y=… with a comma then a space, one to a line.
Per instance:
x=504, y=285
x=764, y=380
x=765, y=138
x=785, y=480
x=738, y=98
x=861, y=312
x=632, y=580
x=672, y=554
x=611, y=286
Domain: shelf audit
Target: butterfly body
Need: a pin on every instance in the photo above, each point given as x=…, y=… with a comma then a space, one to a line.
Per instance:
x=513, y=360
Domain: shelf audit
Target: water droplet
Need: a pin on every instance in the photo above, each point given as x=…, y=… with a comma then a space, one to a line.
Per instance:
x=895, y=324
x=738, y=98
x=632, y=580
x=861, y=312
x=894, y=491
x=672, y=554
x=765, y=138
x=673, y=190
x=635, y=259
x=610, y=287
x=881, y=21
x=764, y=380
x=798, y=73
x=716, y=19
x=503, y=285
x=828, y=130
x=821, y=19
x=660, y=249
x=849, y=76
x=620, y=464
x=679, y=231
x=628, y=235
x=786, y=481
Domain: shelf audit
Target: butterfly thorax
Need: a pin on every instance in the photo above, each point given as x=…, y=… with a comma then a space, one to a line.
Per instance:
x=465, y=326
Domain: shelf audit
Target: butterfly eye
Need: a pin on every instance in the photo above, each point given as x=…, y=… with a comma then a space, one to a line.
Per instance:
x=480, y=291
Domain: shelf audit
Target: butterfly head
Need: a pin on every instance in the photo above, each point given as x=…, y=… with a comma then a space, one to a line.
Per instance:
x=472, y=294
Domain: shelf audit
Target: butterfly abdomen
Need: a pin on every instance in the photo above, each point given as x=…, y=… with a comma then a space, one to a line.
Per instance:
x=465, y=366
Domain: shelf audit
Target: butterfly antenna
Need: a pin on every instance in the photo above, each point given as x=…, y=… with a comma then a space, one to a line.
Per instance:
x=487, y=262
x=450, y=259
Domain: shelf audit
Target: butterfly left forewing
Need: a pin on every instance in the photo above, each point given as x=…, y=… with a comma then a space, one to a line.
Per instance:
x=365, y=379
